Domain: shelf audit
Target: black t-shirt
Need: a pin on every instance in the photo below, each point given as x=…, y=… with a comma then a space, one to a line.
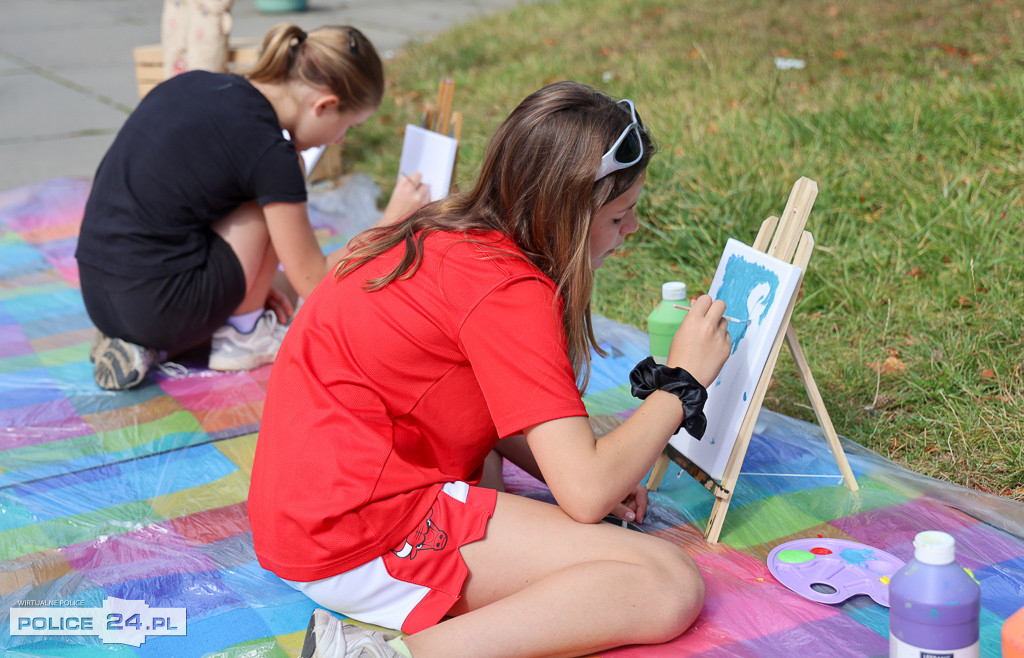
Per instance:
x=196, y=147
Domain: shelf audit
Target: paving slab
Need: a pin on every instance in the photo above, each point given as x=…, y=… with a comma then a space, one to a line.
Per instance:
x=67, y=77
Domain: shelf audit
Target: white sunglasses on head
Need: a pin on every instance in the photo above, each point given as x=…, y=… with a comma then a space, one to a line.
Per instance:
x=627, y=149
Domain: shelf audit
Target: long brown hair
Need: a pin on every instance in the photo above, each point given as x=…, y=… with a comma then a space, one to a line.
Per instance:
x=536, y=186
x=337, y=58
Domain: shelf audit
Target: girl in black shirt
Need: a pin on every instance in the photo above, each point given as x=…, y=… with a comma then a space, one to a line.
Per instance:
x=200, y=198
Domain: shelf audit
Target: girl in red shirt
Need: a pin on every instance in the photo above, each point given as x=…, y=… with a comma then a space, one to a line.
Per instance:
x=462, y=329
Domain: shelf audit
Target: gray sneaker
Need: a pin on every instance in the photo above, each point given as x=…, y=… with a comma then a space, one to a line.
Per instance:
x=119, y=365
x=329, y=637
x=230, y=349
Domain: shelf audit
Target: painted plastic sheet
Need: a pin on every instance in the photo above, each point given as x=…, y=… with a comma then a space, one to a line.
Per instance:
x=129, y=508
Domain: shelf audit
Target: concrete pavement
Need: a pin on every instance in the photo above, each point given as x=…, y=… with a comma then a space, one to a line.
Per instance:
x=67, y=77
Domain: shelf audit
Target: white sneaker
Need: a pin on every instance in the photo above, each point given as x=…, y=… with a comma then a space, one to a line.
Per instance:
x=230, y=349
x=329, y=637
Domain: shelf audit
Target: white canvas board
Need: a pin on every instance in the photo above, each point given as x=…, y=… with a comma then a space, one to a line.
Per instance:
x=432, y=155
x=309, y=157
x=755, y=287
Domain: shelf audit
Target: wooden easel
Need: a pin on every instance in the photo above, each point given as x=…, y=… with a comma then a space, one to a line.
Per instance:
x=786, y=240
x=441, y=119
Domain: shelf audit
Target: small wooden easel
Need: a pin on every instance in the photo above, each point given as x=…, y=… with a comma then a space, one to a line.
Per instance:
x=786, y=240
x=441, y=119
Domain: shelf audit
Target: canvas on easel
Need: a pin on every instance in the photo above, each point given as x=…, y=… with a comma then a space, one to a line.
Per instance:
x=762, y=290
x=432, y=149
x=756, y=289
x=432, y=155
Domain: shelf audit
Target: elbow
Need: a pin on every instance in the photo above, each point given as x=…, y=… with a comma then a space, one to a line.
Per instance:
x=584, y=507
x=587, y=516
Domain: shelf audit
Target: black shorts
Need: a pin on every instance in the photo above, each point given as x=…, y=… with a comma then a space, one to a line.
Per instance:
x=173, y=312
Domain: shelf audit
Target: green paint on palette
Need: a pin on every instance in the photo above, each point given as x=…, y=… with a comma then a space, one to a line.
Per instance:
x=795, y=557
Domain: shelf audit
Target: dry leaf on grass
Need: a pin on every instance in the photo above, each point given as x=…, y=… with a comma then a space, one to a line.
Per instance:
x=890, y=366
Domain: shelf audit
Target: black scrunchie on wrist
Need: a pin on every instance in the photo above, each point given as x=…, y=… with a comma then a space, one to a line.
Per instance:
x=648, y=377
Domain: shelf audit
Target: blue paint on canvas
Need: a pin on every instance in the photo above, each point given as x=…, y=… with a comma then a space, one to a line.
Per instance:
x=748, y=288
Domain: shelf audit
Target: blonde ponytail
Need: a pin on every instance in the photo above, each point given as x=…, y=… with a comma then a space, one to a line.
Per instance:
x=337, y=58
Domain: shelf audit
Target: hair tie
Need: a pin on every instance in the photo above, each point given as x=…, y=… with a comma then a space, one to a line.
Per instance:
x=353, y=45
x=299, y=39
x=648, y=377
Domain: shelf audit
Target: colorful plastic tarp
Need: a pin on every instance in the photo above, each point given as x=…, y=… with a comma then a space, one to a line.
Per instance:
x=133, y=503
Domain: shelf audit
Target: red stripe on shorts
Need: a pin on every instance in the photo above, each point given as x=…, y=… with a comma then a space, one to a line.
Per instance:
x=430, y=555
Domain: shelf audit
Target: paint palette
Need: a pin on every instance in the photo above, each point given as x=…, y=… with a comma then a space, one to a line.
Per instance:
x=832, y=570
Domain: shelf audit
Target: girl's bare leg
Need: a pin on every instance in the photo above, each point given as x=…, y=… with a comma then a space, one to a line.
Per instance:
x=245, y=229
x=542, y=584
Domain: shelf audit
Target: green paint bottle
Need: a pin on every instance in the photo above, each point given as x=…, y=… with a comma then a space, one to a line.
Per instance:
x=665, y=318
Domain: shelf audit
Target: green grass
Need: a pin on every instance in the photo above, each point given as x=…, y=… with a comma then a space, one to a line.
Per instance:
x=910, y=117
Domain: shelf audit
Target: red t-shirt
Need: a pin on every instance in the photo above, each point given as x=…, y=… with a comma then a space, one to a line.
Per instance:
x=377, y=399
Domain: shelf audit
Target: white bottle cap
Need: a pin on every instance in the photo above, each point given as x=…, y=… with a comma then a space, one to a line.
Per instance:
x=934, y=547
x=673, y=290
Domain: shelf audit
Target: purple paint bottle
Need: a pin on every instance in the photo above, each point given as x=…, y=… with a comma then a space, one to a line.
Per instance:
x=933, y=603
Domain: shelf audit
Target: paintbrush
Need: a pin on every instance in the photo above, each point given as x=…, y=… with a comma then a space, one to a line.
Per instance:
x=724, y=317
